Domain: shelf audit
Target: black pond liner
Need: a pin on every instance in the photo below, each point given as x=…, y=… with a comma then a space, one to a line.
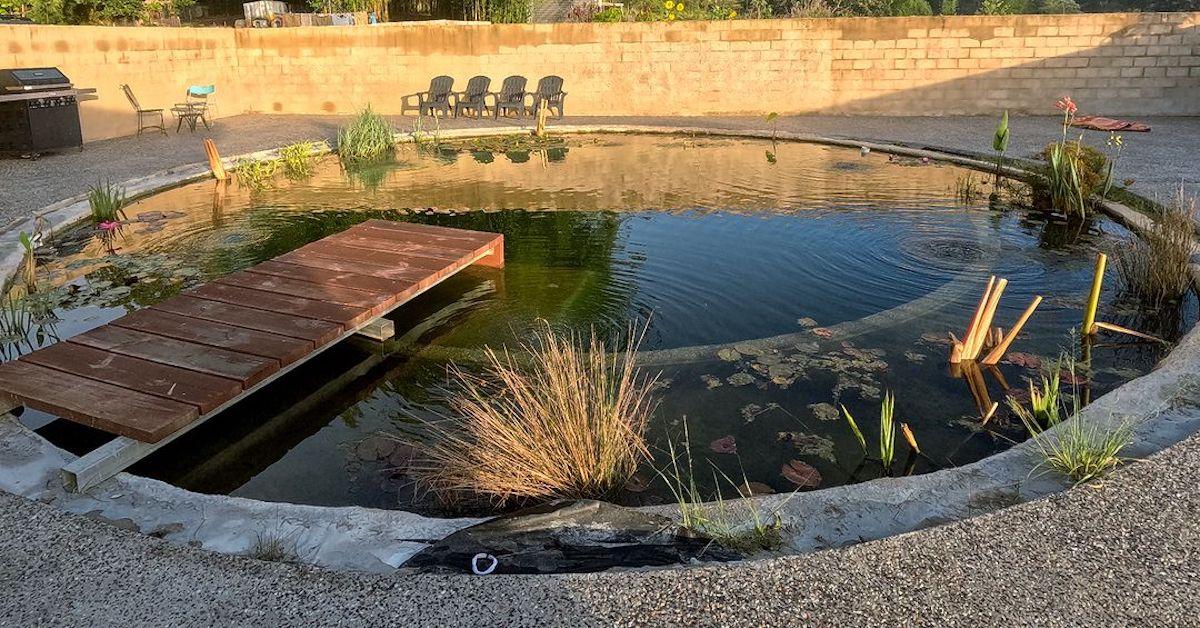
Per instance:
x=573, y=536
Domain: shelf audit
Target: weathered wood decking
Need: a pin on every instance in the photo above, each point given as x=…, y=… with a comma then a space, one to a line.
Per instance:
x=150, y=375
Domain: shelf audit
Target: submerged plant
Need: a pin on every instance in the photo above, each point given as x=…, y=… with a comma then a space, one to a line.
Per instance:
x=256, y=174
x=367, y=138
x=107, y=202
x=571, y=424
x=737, y=524
x=1154, y=265
x=298, y=159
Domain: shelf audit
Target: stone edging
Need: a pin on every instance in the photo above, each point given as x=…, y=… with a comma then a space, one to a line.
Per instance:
x=1162, y=405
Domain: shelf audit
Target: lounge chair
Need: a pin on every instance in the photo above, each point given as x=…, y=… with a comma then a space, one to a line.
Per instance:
x=511, y=96
x=145, y=117
x=436, y=98
x=549, y=94
x=474, y=98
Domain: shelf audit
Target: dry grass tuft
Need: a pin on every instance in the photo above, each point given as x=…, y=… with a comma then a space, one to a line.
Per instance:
x=1154, y=266
x=571, y=424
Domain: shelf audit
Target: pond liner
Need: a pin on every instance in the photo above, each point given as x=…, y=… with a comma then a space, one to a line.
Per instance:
x=568, y=536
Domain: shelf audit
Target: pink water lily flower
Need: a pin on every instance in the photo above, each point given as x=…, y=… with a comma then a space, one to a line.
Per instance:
x=1066, y=104
x=109, y=225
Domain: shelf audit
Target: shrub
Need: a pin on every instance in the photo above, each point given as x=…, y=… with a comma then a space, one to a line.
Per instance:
x=368, y=137
x=1058, y=6
x=1074, y=172
x=610, y=14
x=1155, y=266
x=298, y=159
x=949, y=7
x=900, y=8
x=1003, y=7
x=571, y=424
x=107, y=202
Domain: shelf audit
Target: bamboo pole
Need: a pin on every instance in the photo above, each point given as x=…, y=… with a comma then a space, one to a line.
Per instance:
x=998, y=351
x=214, y=160
x=1125, y=330
x=985, y=322
x=908, y=436
x=1089, y=313
x=975, y=318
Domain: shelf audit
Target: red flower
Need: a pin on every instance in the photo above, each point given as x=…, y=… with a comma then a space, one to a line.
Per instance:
x=1066, y=104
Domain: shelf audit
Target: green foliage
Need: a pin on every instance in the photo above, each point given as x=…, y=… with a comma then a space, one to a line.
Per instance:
x=1000, y=139
x=901, y=8
x=677, y=10
x=298, y=159
x=858, y=435
x=29, y=265
x=1058, y=6
x=86, y=11
x=1003, y=7
x=1154, y=265
x=368, y=137
x=1074, y=172
x=610, y=14
x=887, y=430
x=949, y=7
x=107, y=201
x=256, y=174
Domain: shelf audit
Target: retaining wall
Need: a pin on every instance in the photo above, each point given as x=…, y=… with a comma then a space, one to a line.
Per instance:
x=1114, y=64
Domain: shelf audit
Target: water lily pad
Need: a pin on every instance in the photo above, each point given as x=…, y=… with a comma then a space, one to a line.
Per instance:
x=825, y=411
x=913, y=356
x=807, y=322
x=810, y=445
x=740, y=379
x=729, y=355
x=801, y=474
x=823, y=332
x=711, y=381
x=807, y=347
x=748, y=349
x=1024, y=360
x=769, y=359
x=751, y=411
x=724, y=445
x=750, y=489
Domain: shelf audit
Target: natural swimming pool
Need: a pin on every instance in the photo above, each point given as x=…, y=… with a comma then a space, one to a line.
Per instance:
x=779, y=282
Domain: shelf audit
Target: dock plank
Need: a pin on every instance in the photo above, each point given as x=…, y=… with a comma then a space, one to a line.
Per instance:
x=282, y=348
x=326, y=276
x=362, y=240
x=344, y=315
x=280, y=285
x=351, y=266
x=435, y=232
x=95, y=404
x=248, y=369
x=204, y=391
x=315, y=330
x=325, y=248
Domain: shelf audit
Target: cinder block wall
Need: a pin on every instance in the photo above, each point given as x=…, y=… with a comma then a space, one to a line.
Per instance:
x=1116, y=64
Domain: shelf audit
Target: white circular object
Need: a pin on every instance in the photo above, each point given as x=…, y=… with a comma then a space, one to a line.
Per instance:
x=475, y=569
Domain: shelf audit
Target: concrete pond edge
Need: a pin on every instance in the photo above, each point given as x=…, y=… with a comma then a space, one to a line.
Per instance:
x=1163, y=407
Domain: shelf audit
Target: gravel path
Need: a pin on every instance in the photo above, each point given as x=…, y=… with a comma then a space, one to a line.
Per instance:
x=1159, y=161
x=1124, y=553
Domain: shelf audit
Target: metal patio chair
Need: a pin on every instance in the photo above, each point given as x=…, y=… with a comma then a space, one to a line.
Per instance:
x=474, y=98
x=549, y=94
x=145, y=117
x=511, y=96
x=194, y=108
x=436, y=98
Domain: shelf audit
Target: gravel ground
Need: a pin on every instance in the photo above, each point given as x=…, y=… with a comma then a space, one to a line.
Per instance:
x=1123, y=553
x=1159, y=161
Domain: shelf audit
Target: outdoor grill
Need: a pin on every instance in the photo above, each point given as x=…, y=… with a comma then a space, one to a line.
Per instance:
x=39, y=111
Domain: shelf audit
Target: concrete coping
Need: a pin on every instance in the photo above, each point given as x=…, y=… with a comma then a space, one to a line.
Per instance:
x=1161, y=407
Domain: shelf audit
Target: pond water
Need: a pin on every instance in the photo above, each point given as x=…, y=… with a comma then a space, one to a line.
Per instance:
x=852, y=267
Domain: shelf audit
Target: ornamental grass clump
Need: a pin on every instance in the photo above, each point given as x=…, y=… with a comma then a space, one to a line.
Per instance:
x=1154, y=265
x=569, y=422
x=107, y=202
x=368, y=137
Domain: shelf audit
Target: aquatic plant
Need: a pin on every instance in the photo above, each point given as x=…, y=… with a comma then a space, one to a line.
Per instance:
x=569, y=424
x=1116, y=145
x=887, y=430
x=29, y=263
x=367, y=138
x=256, y=174
x=966, y=189
x=298, y=159
x=1073, y=171
x=1154, y=266
x=1000, y=141
x=107, y=202
x=737, y=524
x=1045, y=402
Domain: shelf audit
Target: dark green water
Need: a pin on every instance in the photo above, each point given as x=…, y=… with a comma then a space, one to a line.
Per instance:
x=713, y=244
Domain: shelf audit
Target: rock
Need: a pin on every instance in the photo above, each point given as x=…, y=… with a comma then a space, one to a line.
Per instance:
x=150, y=216
x=825, y=411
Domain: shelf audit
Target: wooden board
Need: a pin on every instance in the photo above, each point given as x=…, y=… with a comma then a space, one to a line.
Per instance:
x=206, y=392
x=153, y=374
x=95, y=404
x=282, y=348
x=315, y=330
x=248, y=369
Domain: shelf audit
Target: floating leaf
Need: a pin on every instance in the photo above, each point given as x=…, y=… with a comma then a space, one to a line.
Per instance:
x=801, y=474
x=1024, y=360
x=750, y=489
x=724, y=445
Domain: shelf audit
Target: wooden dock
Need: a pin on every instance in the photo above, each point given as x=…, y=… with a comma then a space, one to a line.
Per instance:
x=152, y=375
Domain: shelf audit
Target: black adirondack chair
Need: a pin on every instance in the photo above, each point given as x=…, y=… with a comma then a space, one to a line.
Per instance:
x=549, y=94
x=511, y=97
x=436, y=98
x=474, y=98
